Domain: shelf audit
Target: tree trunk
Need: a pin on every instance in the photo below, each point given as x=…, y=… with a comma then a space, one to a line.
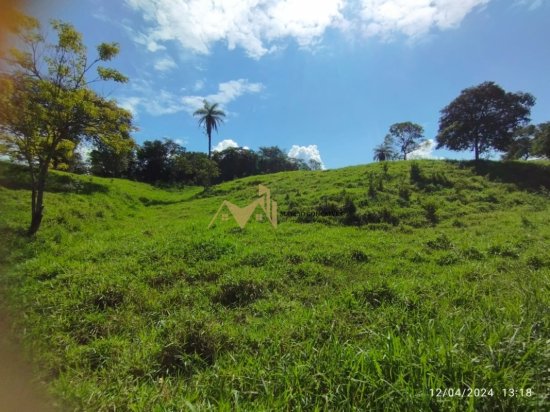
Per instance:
x=37, y=203
x=476, y=149
x=209, y=144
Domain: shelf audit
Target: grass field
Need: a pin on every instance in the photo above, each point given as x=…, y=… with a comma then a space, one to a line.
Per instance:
x=381, y=285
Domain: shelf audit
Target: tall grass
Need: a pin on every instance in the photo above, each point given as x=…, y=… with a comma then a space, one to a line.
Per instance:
x=437, y=280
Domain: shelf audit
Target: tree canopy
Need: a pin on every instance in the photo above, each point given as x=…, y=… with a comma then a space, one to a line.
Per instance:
x=541, y=141
x=49, y=107
x=483, y=118
x=406, y=137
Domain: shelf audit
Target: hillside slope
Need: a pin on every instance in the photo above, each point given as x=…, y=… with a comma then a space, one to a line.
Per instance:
x=380, y=285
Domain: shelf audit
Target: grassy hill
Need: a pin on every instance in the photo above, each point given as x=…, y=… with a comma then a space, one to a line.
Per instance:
x=381, y=285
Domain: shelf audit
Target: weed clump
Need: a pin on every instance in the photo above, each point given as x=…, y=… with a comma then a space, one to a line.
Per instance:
x=430, y=211
x=190, y=347
x=415, y=173
x=441, y=242
x=109, y=297
x=238, y=294
x=359, y=256
x=376, y=296
x=503, y=251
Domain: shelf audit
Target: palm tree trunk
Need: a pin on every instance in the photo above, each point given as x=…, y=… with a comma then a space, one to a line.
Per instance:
x=209, y=145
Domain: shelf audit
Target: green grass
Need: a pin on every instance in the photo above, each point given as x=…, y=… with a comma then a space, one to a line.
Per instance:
x=126, y=301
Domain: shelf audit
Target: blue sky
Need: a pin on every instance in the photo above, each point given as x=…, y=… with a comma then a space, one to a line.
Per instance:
x=316, y=77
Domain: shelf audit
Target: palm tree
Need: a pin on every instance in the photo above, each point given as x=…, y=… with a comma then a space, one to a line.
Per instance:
x=210, y=117
x=384, y=151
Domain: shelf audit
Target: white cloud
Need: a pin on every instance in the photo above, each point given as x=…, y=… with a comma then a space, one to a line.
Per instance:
x=306, y=153
x=130, y=103
x=199, y=84
x=425, y=151
x=413, y=18
x=225, y=144
x=250, y=24
x=531, y=4
x=160, y=102
x=227, y=92
x=165, y=64
x=181, y=142
x=261, y=26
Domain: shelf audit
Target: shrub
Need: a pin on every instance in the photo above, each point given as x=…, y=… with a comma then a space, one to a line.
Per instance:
x=350, y=212
x=328, y=208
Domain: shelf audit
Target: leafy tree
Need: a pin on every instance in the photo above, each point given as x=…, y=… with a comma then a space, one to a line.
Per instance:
x=47, y=103
x=522, y=144
x=301, y=164
x=209, y=117
x=482, y=118
x=313, y=164
x=196, y=169
x=107, y=161
x=272, y=160
x=156, y=161
x=405, y=137
x=236, y=162
x=541, y=141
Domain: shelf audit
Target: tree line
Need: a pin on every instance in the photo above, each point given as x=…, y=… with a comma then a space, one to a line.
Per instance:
x=165, y=162
x=481, y=119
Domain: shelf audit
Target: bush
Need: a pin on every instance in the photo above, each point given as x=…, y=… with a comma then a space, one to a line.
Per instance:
x=328, y=208
x=350, y=212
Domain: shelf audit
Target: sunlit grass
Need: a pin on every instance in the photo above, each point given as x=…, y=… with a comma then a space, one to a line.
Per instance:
x=126, y=300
